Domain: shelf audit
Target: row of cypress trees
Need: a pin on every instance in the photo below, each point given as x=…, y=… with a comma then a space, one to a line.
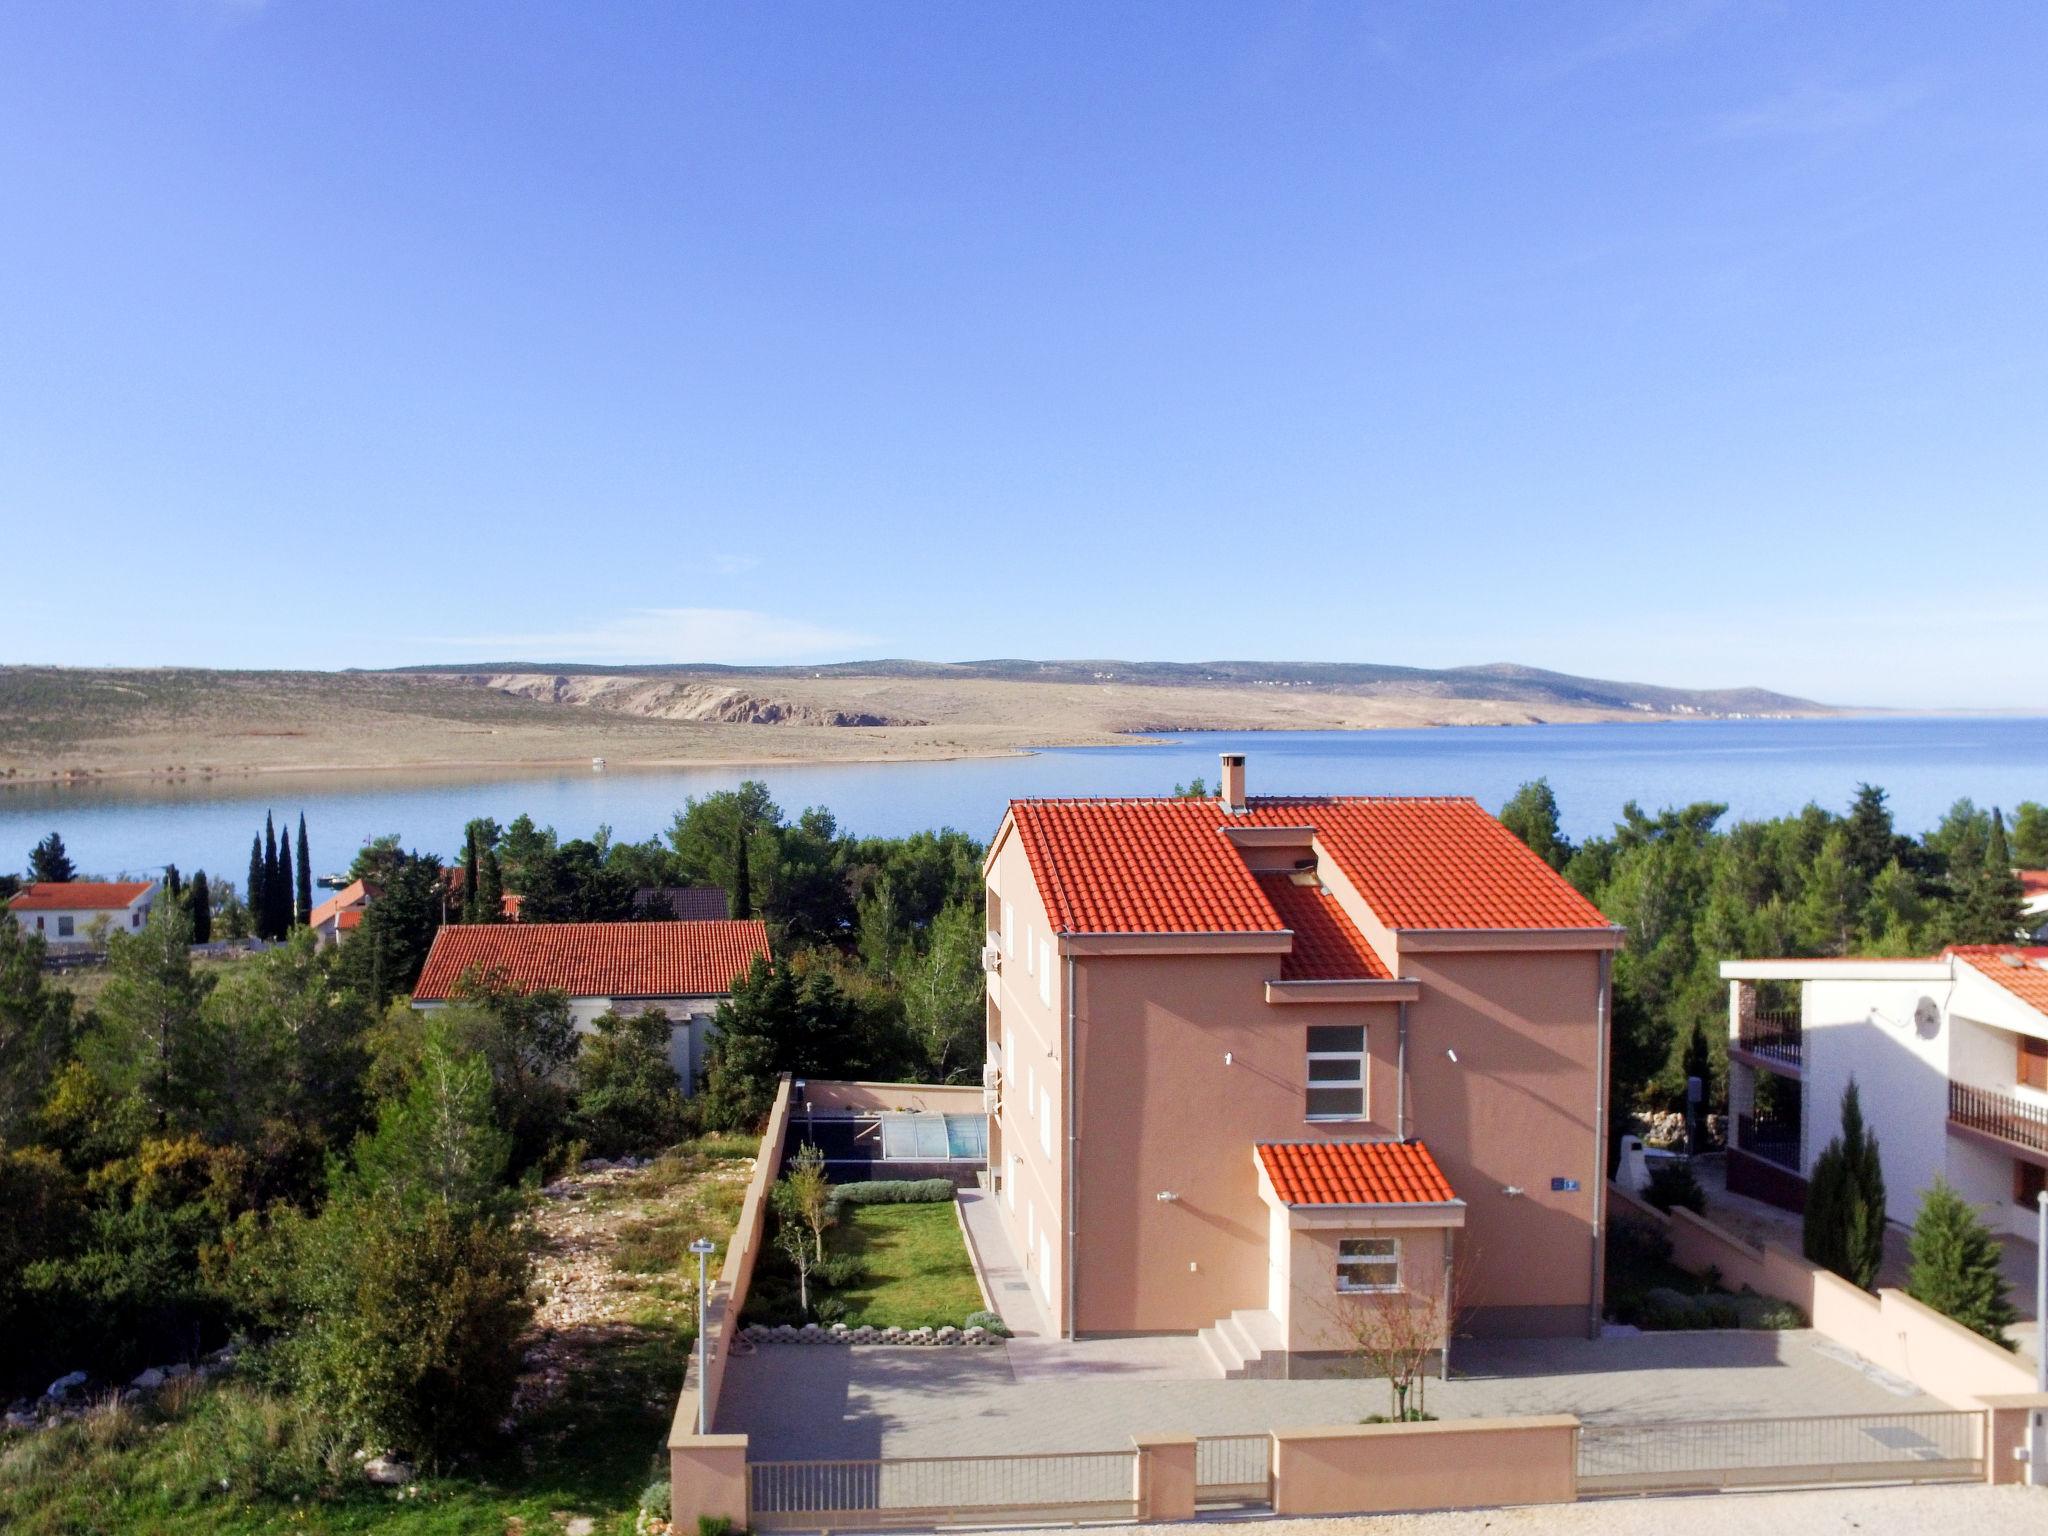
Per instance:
x=278, y=902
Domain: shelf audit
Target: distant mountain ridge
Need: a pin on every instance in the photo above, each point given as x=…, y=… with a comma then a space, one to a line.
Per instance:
x=1501, y=680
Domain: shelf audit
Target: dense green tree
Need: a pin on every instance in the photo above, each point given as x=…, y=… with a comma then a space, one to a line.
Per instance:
x=173, y=882
x=145, y=1039
x=2030, y=835
x=572, y=883
x=742, y=875
x=1958, y=1265
x=378, y=860
x=384, y=956
x=945, y=999
x=437, y=1137
x=1872, y=843
x=1532, y=816
x=880, y=937
x=1196, y=788
x=304, y=913
x=782, y=1019
x=490, y=888
x=521, y=845
x=36, y=1032
x=48, y=861
x=627, y=1097
x=1845, y=1200
x=706, y=836
x=277, y=883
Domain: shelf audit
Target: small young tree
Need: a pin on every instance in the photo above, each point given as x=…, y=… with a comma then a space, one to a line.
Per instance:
x=1956, y=1268
x=1844, y=1223
x=1392, y=1334
x=810, y=1195
x=793, y=1237
x=48, y=861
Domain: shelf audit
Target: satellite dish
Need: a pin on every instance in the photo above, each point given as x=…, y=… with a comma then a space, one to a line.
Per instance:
x=1927, y=1018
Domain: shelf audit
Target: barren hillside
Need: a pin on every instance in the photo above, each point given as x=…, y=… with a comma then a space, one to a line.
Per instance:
x=57, y=722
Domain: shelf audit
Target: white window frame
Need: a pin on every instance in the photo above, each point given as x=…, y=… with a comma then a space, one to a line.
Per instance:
x=1370, y=1254
x=1009, y=929
x=1310, y=1084
x=1030, y=953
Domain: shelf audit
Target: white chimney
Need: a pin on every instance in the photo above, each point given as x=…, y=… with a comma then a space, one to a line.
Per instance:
x=1233, y=783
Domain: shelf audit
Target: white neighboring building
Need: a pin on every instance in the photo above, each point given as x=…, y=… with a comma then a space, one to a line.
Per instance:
x=65, y=913
x=686, y=969
x=1950, y=1058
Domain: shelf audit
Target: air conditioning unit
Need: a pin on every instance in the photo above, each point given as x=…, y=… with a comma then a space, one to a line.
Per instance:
x=991, y=958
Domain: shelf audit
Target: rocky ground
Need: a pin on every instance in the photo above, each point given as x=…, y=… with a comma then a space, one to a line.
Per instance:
x=612, y=1272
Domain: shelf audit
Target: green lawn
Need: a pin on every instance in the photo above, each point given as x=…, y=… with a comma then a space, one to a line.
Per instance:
x=913, y=1272
x=237, y=1457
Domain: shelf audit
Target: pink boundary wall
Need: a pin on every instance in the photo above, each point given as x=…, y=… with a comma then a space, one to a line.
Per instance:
x=842, y=1097
x=1891, y=1329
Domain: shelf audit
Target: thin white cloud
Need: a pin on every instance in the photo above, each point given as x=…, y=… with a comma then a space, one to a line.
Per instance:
x=1815, y=110
x=738, y=636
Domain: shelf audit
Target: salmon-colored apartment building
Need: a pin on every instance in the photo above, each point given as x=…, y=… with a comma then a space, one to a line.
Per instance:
x=1255, y=1057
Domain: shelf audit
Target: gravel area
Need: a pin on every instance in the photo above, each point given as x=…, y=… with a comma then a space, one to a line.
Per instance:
x=1883, y=1511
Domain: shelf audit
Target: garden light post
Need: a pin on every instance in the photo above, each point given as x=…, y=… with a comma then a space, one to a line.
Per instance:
x=702, y=1247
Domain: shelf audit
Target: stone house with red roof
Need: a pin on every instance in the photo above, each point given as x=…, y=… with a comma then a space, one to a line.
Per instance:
x=684, y=969
x=68, y=914
x=1254, y=1058
x=1950, y=1058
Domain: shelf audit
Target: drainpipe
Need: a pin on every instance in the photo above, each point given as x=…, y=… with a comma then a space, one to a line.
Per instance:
x=1600, y=1142
x=1401, y=1073
x=1072, y=1109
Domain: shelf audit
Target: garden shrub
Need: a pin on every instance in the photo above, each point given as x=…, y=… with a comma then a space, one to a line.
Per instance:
x=893, y=1192
x=989, y=1321
x=838, y=1271
x=627, y=1096
x=1675, y=1184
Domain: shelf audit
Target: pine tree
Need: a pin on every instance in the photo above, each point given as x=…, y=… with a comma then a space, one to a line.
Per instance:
x=276, y=882
x=742, y=878
x=472, y=876
x=490, y=888
x=48, y=862
x=255, y=897
x=1956, y=1264
x=201, y=905
x=304, y=915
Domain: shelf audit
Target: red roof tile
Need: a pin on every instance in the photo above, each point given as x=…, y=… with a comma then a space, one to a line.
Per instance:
x=1327, y=944
x=1354, y=1173
x=596, y=959
x=2022, y=969
x=2033, y=882
x=79, y=895
x=1164, y=866
x=355, y=894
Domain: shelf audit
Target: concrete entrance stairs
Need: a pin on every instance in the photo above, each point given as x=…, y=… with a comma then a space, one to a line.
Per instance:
x=1247, y=1345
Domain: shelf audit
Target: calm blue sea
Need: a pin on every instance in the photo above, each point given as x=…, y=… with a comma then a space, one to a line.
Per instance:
x=1759, y=767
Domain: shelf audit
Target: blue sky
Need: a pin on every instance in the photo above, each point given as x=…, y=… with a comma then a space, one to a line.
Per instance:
x=1697, y=343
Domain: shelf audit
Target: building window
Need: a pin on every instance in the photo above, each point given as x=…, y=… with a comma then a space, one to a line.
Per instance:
x=64, y=926
x=1336, y=1072
x=1368, y=1264
x=2028, y=1180
x=1030, y=953
x=1045, y=1121
x=134, y=919
x=2033, y=1072
x=1010, y=1184
x=39, y=922
x=1009, y=929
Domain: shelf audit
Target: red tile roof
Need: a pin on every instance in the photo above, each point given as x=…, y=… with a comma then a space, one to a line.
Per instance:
x=79, y=895
x=1327, y=944
x=596, y=959
x=356, y=893
x=2022, y=969
x=1354, y=1173
x=2033, y=883
x=1164, y=866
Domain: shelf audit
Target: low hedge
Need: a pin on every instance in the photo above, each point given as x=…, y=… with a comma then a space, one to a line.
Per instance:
x=893, y=1192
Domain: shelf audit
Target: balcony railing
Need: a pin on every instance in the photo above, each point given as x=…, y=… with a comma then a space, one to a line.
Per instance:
x=1770, y=1138
x=1998, y=1114
x=1774, y=1036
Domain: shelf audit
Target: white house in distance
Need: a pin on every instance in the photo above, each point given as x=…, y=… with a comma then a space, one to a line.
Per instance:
x=64, y=913
x=1950, y=1057
x=684, y=969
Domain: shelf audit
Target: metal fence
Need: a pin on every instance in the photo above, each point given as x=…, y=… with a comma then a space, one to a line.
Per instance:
x=941, y=1490
x=2000, y=1115
x=1233, y=1470
x=1714, y=1454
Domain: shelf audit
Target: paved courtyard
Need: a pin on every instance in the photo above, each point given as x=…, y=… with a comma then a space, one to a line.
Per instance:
x=833, y=1401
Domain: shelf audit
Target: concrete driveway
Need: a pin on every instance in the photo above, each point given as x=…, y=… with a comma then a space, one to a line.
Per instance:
x=832, y=1401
